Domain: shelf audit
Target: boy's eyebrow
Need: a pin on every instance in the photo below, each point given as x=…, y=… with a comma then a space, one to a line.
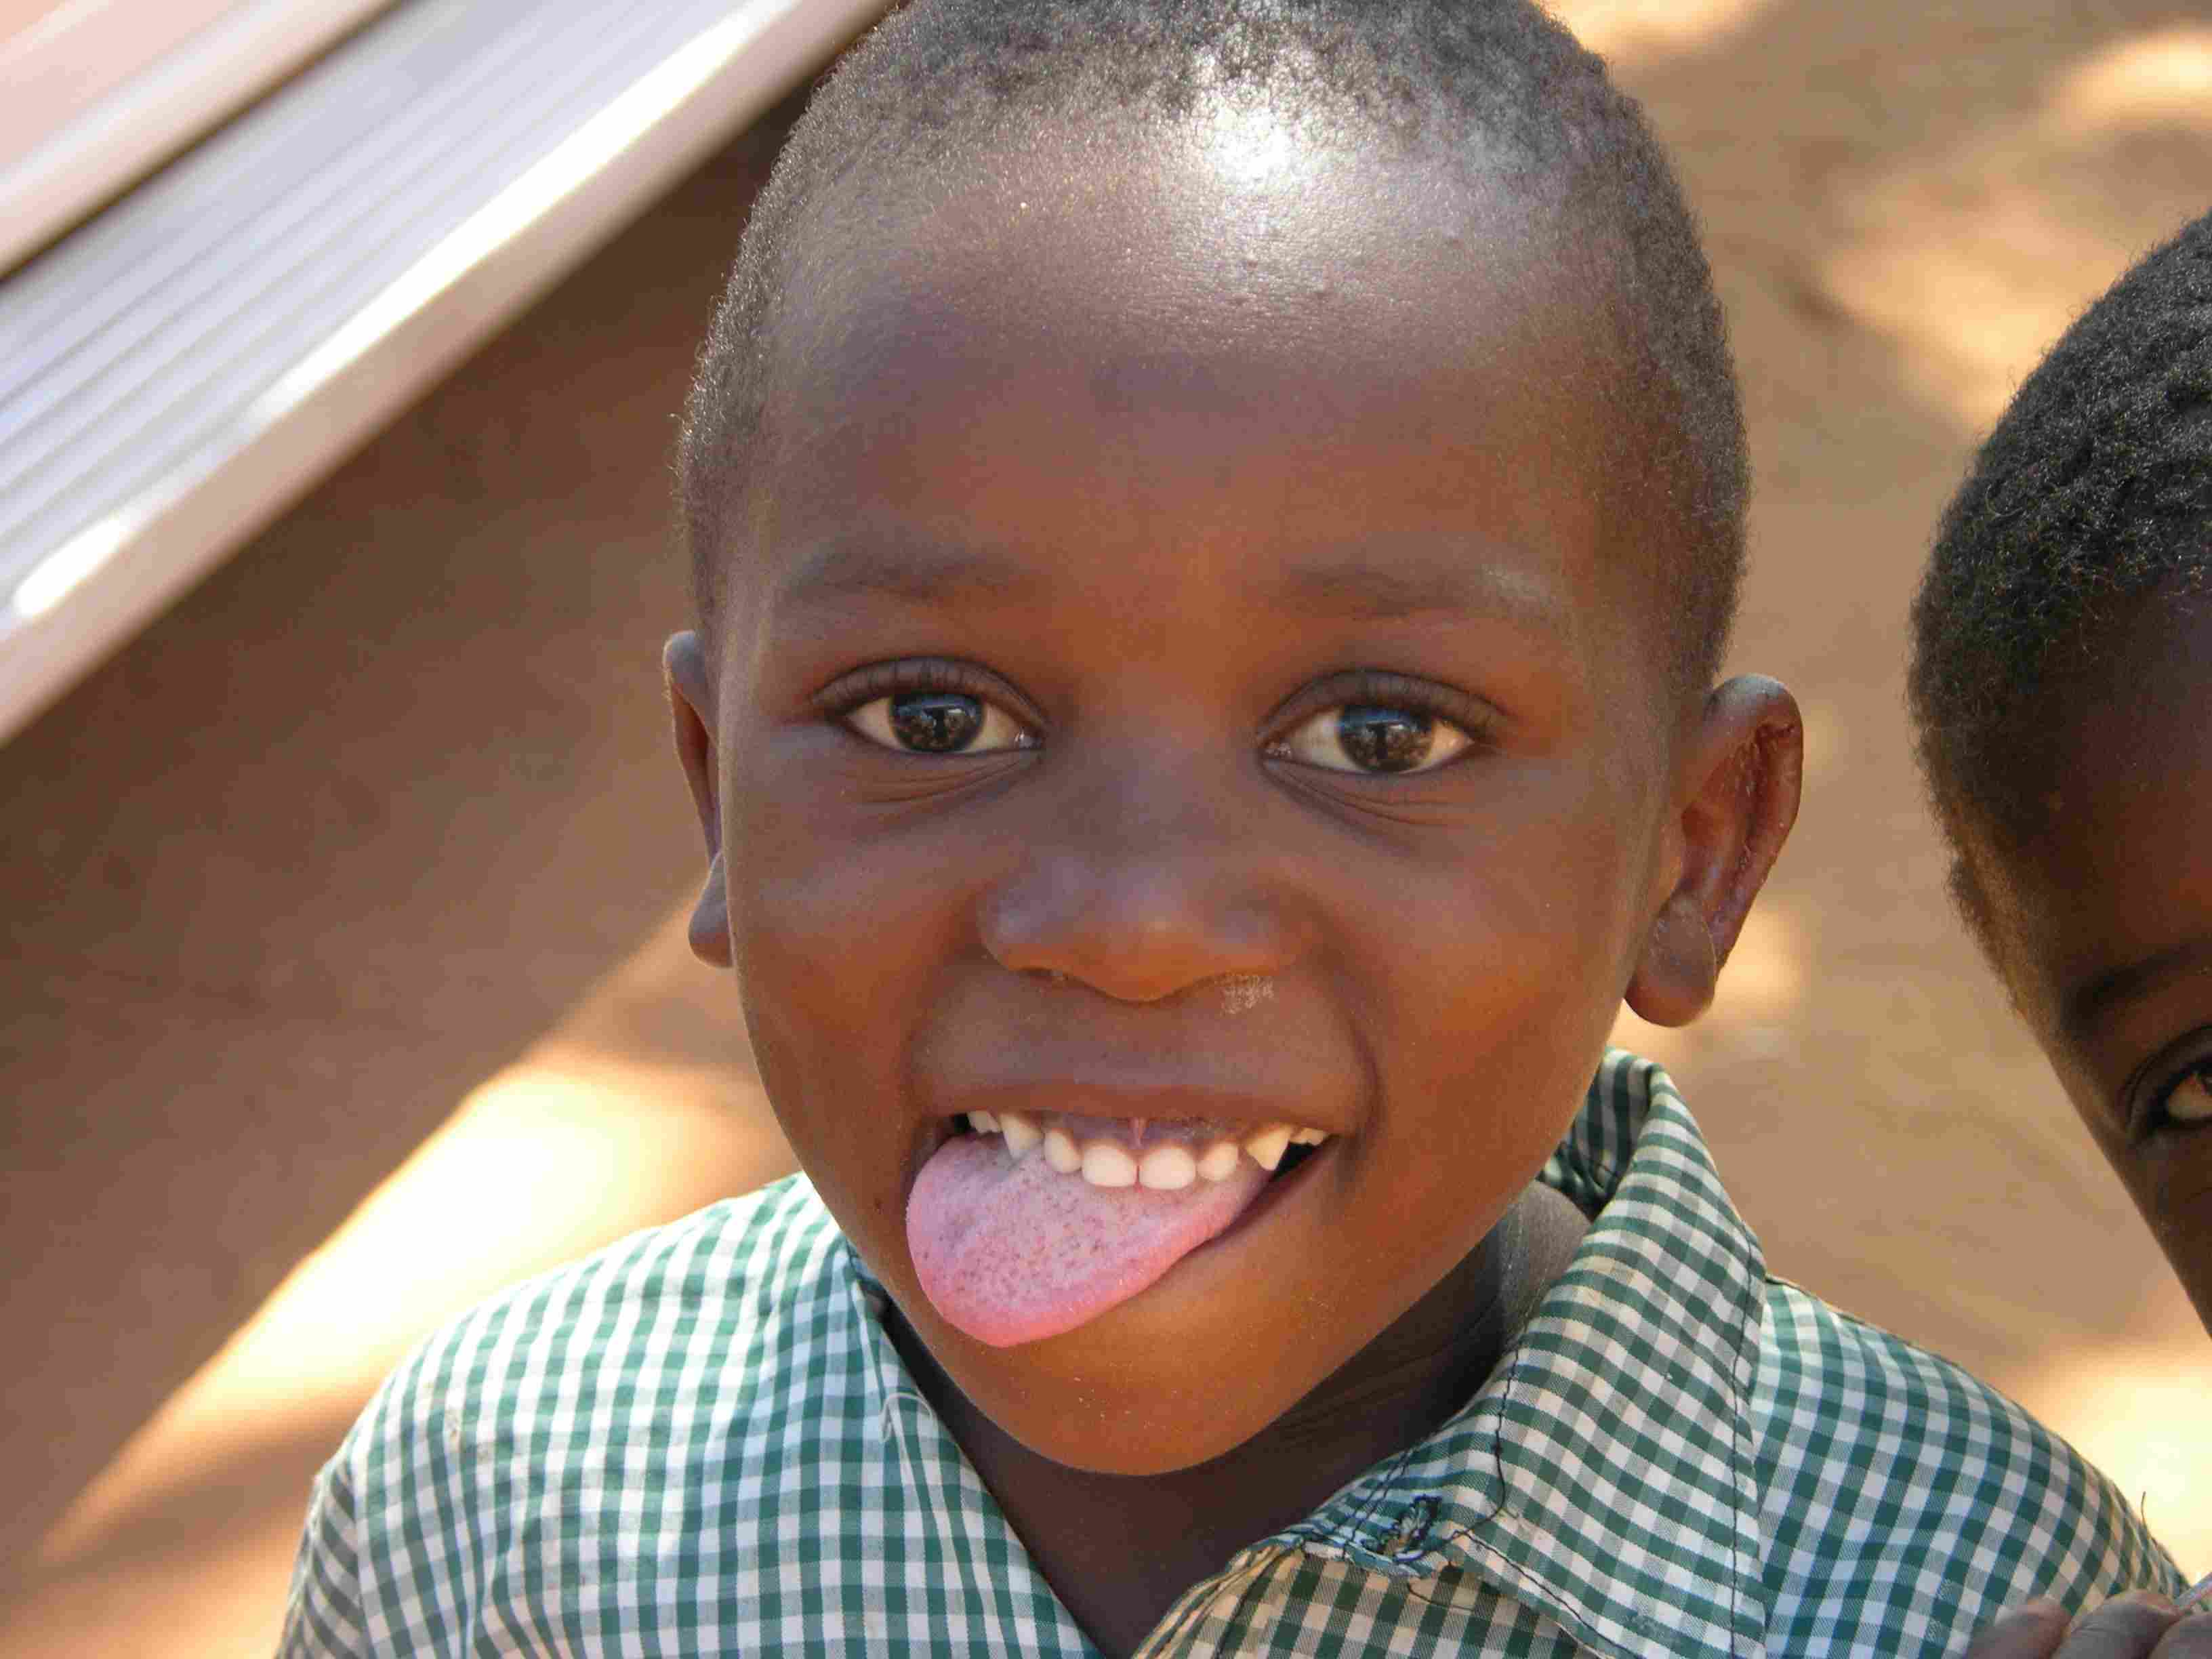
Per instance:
x=1380, y=583
x=907, y=568
x=2089, y=1003
x=1387, y=582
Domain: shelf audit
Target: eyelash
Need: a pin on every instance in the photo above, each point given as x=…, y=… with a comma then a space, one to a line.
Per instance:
x=1375, y=686
x=1383, y=687
x=891, y=679
x=2156, y=1119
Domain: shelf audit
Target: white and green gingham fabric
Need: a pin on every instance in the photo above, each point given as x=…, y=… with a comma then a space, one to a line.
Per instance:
x=701, y=1443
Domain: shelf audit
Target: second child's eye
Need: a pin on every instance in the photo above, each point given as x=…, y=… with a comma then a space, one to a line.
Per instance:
x=2190, y=1101
x=938, y=723
x=1358, y=737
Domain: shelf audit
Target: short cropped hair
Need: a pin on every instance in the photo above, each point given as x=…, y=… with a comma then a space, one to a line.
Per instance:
x=1497, y=82
x=2093, y=491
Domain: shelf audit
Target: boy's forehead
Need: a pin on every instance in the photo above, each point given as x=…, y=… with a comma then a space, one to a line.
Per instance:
x=1223, y=239
x=1177, y=278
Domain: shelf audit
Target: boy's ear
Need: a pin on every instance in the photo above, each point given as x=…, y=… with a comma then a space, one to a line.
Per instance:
x=691, y=708
x=1746, y=764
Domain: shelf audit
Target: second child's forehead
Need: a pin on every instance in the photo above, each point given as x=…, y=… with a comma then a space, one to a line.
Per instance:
x=2120, y=872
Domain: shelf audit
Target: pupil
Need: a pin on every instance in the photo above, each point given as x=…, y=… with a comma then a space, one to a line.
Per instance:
x=936, y=722
x=1384, y=739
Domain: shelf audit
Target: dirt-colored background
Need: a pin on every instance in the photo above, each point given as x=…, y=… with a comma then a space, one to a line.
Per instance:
x=367, y=859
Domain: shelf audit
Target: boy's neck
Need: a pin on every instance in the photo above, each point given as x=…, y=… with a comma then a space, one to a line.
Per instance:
x=1118, y=1550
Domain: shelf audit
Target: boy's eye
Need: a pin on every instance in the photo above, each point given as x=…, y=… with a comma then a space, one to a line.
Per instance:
x=938, y=723
x=2190, y=1101
x=1358, y=737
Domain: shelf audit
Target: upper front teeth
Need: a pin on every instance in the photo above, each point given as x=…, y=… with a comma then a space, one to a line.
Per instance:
x=1219, y=1161
x=1166, y=1167
x=1105, y=1164
x=1269, y=1145
x=1061, y=1150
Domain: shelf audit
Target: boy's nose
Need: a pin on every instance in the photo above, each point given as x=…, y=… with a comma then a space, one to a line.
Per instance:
x=1146, y=892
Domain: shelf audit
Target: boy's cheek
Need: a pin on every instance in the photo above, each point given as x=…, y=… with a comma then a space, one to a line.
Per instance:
x=2173, y=1187
x=1539, y=904
x=826, y=960
x=815, y=875
x=2169, y=1176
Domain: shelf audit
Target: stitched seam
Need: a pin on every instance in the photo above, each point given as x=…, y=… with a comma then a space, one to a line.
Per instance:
x=1349, y=1537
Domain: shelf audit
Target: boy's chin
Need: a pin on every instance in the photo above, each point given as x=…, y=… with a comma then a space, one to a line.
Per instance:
x=1132, y=1440
x=1109, y=1403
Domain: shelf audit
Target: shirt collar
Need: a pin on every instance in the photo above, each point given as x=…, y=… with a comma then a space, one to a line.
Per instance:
x=1606, y=1474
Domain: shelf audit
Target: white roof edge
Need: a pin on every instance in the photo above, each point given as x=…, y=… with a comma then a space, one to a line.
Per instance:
x=120, y=136
x=109, y=580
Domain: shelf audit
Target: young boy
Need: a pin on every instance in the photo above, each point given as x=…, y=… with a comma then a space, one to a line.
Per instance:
x=2062, y=686
x=1215, y=524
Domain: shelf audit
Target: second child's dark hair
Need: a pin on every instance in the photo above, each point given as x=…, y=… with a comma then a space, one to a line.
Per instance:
x=2093, y=491
x=1497, y=83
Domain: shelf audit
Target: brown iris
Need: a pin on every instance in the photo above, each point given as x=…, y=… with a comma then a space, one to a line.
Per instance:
x=1384, y=739
x=936, y=722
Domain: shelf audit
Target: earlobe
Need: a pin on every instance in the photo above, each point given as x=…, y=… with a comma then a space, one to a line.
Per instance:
x=708, y=933
x=1675, y=977
x=690, y=709
x=1745, y=769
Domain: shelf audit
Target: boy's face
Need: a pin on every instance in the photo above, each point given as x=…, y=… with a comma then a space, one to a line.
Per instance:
x=1131, y=479
x=2107, y=921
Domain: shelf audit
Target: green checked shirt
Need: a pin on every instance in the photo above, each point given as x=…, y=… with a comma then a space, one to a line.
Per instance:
x=701, y=1443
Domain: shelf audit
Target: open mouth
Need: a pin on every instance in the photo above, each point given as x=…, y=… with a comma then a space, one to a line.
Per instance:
x=1161, y=1154
x=1024, y=1224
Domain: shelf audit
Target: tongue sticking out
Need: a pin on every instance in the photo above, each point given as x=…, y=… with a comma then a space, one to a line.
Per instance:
x=1012, y=1251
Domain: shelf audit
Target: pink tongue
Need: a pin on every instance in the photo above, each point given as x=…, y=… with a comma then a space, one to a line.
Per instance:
x=1013, y=1252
